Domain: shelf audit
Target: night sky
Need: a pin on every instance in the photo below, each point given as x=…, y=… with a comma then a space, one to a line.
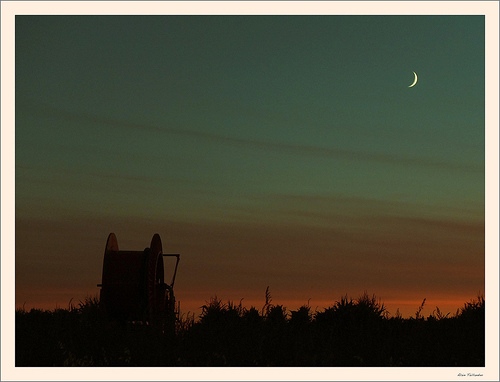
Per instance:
x=280, y=151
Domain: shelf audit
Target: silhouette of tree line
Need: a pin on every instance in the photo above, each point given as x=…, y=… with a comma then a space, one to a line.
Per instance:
x=349, y=333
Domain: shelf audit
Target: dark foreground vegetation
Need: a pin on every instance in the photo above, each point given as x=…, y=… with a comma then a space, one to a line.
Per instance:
x=349, y=333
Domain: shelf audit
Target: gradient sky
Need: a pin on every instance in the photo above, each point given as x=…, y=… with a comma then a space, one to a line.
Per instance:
x=275, y=151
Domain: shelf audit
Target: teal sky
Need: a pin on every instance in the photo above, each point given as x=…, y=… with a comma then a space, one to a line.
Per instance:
x=267, y=150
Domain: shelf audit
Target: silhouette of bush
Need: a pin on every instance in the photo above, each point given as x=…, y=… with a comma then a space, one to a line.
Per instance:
x=351, y=332
x=301, y=333
x=252, y=317
x=277, y=316
x=471, y=328
x=473, y=310
x=418, y=313
x=301, y=317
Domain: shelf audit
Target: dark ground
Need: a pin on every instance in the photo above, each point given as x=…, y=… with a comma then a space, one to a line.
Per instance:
x=349, y=333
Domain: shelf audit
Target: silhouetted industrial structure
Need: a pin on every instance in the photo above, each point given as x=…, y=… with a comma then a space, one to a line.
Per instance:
x=133, y=286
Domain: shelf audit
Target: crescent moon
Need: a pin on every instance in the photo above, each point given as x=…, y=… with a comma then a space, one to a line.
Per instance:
x=415, y=81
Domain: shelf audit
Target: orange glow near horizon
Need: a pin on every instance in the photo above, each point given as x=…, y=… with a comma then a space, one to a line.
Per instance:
x=53, y=299
x=401, y=261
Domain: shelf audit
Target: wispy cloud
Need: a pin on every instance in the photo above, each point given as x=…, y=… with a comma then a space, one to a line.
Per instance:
x=324, y=207
x=65, y=172
x=289, y=148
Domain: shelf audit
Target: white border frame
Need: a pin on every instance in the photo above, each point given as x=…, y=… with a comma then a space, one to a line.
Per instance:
x=11, y=8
